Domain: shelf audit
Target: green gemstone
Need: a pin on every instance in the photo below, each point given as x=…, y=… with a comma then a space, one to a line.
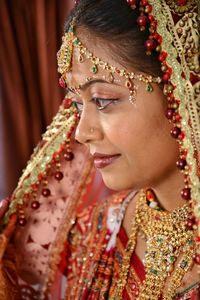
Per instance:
x=190, y=242
x=158, y=208
x=94, y=69
x=76, y=41
x=172, y=258
x=71, y=29
x=155, y=272
x=159, y=240
x=149, y=88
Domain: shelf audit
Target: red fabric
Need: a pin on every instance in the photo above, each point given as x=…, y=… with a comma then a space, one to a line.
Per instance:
x=135, y=261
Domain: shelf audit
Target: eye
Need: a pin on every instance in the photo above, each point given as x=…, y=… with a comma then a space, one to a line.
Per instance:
x=103, y=103
x=79, y=106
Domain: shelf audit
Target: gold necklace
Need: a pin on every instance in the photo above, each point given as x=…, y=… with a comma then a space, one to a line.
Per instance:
x=167, y=240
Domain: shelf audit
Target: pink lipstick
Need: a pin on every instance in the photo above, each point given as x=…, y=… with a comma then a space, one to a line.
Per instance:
x=103, y=160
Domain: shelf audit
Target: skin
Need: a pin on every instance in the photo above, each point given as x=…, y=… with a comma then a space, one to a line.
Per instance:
x=148, y=153
x=139, y=132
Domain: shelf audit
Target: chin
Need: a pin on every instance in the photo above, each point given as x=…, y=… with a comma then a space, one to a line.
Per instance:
x=116, y=183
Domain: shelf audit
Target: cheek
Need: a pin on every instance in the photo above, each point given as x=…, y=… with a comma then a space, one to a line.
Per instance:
x=144, y=140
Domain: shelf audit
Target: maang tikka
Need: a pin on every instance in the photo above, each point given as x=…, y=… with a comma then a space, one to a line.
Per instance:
x=65, y=56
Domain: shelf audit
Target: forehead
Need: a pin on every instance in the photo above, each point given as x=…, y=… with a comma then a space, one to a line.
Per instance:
x=83, y=69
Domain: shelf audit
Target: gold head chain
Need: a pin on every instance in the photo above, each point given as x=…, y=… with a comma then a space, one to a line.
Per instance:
x=65, y=55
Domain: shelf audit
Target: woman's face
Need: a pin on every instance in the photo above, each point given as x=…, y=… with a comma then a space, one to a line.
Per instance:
x=130, y=143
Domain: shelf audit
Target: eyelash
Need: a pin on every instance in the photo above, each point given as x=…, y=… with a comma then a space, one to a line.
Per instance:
x=97, y=101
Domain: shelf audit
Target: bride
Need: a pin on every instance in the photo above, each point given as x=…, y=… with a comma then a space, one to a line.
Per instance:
x=108, y=206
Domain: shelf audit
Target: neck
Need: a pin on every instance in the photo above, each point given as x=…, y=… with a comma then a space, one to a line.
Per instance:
x=168, y=191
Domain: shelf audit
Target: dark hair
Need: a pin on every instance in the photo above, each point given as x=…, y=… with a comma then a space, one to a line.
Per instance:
x=116, y=22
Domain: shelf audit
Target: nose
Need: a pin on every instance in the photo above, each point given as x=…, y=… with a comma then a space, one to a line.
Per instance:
x=89, y=129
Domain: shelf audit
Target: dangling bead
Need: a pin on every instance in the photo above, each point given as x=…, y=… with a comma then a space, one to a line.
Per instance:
x=144, y=2
x=22, y=221
x=165, y=77
x=175, y=132
x=128, y=84
x=170, y=113
x=46, y=192
x=76, y=2
x=132, y=3
x=186, y=194
x=197, y=259
x=181, y=2
x=35, y=205
x=69, y=156
x=62, y=82
x=110, y=78
x=94, y=69
x=81, y=58
x=67, y=102
x=181, y=163
x=162, y=56
x=148, y=9
x=150, y=45
x=149, y=88
x=181, y=136
x=190, y=223
x=58, y=175
x=142, y=21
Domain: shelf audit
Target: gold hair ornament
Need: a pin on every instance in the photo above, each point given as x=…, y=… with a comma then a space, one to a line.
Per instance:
x=65, y=55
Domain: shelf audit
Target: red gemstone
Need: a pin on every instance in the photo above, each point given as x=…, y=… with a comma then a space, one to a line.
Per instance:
x=131, y=2
x=175, y=132
x=155, y=36
x=142, y=20
x=61, y=149
x=197, y=259
x=178, y=117
x=157, y=217
x=169, y=71
x=189, y=223
x=170, y=113
x=197, y=239
x=13, y=216
x=151, y=18
x=46, y=192
x=186, y=194
x=165, y=77
x=149, y=195
x=34, y=186
x=162, y=56
x=56, y=156
x=160, y=39
x=150, y=45
x=22, y=221
x=153, y=24
x=181, y=2
x=69, y=156
x=148, y=9
x=59, y=175
x=67, y=102
x=144, y=2
x=181, y=136
x=62, y=82
x=181, y=163
x=40, y=176
x=35, y=205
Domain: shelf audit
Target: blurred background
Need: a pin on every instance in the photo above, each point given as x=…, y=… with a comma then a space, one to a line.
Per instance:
x=30, y=36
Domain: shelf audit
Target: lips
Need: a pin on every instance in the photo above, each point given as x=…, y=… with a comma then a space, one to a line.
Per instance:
x=103, y=160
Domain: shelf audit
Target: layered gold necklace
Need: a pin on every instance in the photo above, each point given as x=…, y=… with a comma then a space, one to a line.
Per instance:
x=169, y=253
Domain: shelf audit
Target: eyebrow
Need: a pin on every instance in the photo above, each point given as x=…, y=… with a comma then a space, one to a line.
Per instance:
x=89, y=83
